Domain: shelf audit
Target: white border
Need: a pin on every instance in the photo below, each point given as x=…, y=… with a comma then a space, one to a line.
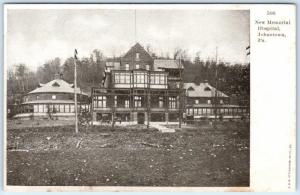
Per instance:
x=259, y=181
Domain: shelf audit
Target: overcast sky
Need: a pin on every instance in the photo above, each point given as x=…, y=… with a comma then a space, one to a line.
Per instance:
x=35, y=36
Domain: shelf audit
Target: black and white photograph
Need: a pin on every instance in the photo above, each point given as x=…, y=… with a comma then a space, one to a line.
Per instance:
x=127, y=96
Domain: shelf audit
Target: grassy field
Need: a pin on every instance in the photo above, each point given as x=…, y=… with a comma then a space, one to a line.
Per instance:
x=133, y=156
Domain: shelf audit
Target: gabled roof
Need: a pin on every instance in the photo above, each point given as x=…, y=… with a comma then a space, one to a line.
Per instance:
x=202, y=90
x=137, y=48
x=167, y=64
x=57, y=86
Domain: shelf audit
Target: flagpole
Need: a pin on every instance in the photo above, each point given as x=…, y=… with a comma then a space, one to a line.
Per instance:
x=75, y=87
x=216, y=84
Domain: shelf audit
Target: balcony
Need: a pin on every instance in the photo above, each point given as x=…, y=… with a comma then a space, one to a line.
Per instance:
x=140, y=79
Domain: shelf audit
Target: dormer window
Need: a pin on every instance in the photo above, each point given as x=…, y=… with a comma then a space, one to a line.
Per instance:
x=191, y=89
x=55, y=84
x=207, y=89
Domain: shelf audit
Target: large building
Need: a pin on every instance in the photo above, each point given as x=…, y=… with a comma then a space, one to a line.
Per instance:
x=140, y=89
x=54, y=99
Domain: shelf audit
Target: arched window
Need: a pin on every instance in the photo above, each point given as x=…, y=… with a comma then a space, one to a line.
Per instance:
x=55, y=84
x=207, y=89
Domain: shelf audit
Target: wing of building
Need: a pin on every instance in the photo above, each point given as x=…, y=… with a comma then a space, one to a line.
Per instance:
x=53, y=99
x=205, y=101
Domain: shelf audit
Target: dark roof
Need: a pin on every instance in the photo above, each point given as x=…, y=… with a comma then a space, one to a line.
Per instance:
x=167, y=64
x=137, y=48
x=114, y=59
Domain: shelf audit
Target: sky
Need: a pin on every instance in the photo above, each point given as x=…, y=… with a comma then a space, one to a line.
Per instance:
x=36, y=36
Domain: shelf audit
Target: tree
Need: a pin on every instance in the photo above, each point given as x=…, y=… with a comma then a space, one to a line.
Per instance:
x=47, y=72
x=21, y=71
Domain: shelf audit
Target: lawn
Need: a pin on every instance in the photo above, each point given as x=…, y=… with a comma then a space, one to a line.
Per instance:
x=200, y=155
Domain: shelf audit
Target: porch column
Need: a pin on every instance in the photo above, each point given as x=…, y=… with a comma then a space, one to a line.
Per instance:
x=167, y=117
x=94, y=116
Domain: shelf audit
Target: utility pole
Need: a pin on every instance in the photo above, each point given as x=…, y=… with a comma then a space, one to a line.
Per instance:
x=75, y=87
x=148, y=99
x=180, y=92
x=135, y=39
x=216, y=84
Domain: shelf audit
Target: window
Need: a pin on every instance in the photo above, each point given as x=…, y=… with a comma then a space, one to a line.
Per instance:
x=100, y=102
x=162, y=79
x=156, y=79
x=116, y=101
x=160, y=102
x=137, y=66
x=196, y=101
x=137, y=56
x=72, y=108
x=147, y=67
x=122, y=78
x=208, y=111
x=41, y=110
x=195, y=111
x=46, y=108
x=221, y=102
x=35, y=108
x=55, y=84
x=50, y=108
x=127, y=78
x=208, y=101
x=117, y=78
x=137, y=101
x=67, y=108
x=200, y=111
x=126, y=103
x=37, y=97
x=54, y=97
x=152, y=79
x=56, y=107
x=137, y=78
x=126, y=66
x=61, y=108
x=207, y=89
x=142, y=78
x=191, y=89
x=172, y=102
